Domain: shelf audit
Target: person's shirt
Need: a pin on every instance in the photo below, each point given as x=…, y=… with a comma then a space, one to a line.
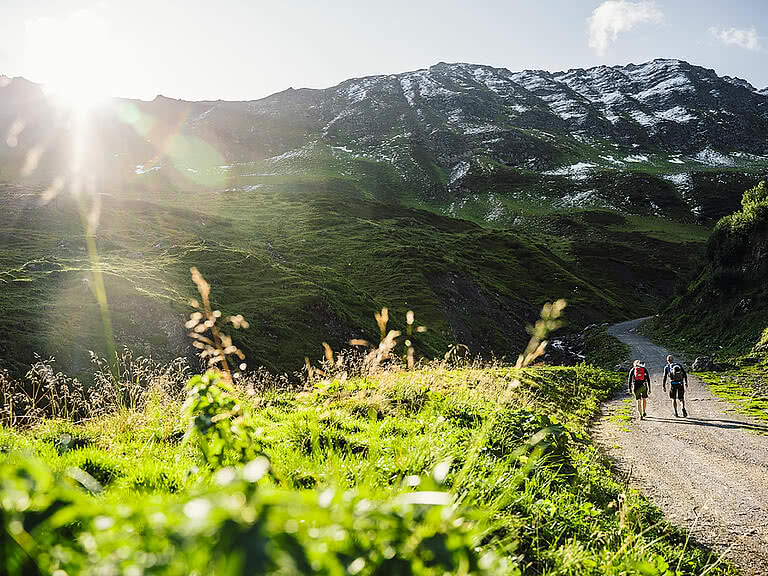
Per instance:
x=668, y=374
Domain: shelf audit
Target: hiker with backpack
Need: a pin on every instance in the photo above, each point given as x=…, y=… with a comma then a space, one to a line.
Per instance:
x=677, y=377
x=639, y=382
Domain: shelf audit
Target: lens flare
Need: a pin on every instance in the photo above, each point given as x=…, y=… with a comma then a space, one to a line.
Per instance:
x=73, y=57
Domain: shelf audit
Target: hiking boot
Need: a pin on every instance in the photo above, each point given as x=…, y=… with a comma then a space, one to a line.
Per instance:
x=685, y=413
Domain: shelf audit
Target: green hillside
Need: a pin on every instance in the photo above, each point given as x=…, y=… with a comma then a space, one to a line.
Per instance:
x=307, y=259
x=723, y=308
x=462, y=192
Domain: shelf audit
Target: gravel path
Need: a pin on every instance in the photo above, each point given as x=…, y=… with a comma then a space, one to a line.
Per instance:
x=707, y=472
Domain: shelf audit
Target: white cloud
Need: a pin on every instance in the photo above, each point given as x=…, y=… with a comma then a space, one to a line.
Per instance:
x=747, y=39
x=616, y=16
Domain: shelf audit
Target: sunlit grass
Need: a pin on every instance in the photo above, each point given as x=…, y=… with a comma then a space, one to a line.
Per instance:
x=475, y=434
x=746, y=389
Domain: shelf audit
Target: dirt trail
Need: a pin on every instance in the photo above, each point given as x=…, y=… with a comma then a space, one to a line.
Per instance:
x=707, y=472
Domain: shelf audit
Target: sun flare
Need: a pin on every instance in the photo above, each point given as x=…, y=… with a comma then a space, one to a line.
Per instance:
x=73, y=58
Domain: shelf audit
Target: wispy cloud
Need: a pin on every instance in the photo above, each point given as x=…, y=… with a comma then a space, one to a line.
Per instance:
x=747, y=39
x=613, y=17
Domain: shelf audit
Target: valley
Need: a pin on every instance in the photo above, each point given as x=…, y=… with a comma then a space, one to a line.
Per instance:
x=467, y=193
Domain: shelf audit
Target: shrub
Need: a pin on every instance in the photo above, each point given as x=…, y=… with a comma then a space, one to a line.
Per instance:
x=732, y=239
x=762, y=345
x=217, y=424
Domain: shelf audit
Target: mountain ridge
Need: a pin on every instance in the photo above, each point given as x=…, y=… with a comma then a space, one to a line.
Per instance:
x=464, y=140
x=736, y=79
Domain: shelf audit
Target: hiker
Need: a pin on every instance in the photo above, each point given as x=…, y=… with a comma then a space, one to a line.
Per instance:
x=677, y=376
x=639, y=381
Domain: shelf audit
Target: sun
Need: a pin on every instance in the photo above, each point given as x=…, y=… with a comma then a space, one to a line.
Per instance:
x=76, y=96
x=74, y=58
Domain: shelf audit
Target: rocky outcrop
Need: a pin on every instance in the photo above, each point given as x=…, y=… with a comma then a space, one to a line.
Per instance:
x=703, y=364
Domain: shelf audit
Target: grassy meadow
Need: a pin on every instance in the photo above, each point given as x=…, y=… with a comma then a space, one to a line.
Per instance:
x=446, y=469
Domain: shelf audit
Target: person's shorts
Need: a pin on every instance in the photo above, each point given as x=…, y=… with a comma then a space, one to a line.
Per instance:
x=641, y=391
x=676, y=391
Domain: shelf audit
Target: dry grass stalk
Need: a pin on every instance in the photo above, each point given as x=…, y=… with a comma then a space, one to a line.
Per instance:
x=45, y=392
x=549, y=322
x=216, y=348
x=383, y=352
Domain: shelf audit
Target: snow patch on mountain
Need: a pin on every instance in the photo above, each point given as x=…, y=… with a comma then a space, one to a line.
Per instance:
x=426, y=85
x=455, y=116
x=613, y=98
x=578, y=199
x=303, y=152
x=643, y=119
x=683, y=180
x=496, y=208
x=666, y=88
x=650, y=72
x=140, y=169
x=358, y=91
x=749, y=157
x=533, y=80
x=564, y=107
x=458, y=172
x=583, y=199
x=676, y=114
x=480, y=129
x=712, y=157
x=498, y=85
x=636, y=158
x=578, y=171
x=406, y=84
x=612, y=160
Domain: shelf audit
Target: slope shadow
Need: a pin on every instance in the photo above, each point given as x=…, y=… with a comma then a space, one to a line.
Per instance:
x=715, y=423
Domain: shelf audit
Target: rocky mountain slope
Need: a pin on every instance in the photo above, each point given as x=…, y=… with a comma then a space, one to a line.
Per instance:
x=434, y=137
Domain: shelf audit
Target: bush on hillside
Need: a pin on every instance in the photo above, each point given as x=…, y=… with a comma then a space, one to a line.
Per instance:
x=736, y=237
x=762, y=346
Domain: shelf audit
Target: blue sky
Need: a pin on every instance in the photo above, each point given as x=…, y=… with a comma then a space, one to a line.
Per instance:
x=240, y=49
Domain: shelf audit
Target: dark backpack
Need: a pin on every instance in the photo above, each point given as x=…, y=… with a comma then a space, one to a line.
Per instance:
x=676, y=372
x=639, y=374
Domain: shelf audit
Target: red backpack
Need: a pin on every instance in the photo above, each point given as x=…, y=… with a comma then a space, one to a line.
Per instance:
x=639, y=374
